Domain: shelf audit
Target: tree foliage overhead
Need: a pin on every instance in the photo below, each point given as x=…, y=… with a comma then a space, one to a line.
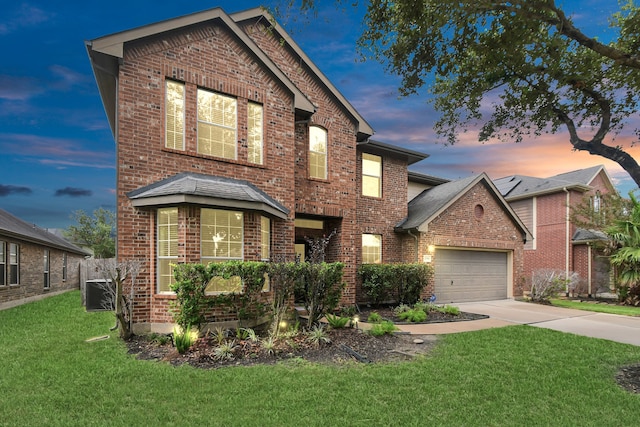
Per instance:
x=516, y=69
x=94, y=231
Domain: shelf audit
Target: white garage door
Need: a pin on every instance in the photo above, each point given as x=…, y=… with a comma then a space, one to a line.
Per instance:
x=470, y=275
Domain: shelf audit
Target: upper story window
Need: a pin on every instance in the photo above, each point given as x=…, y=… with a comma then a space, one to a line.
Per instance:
x=14, y=264
x=254, y=134
x=174, y=115
x=217, y=124
x=3, y=263
x=317, y=152
x=371, y=248
x=371, y=175
x=167, y=247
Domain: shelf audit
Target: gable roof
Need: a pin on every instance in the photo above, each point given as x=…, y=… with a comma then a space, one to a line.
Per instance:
x=432, y=202
x=106, y=52
x=516, y=187
x=207, y=190
x=15, y=227
x=364, y=129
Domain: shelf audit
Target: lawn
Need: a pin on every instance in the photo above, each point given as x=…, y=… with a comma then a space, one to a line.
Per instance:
x=624, y=310
x=516, y=375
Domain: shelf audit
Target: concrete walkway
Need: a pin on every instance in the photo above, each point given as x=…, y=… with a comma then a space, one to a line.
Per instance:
x=624, y=329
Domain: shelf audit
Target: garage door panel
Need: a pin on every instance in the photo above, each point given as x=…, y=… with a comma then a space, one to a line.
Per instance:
x=462, y=275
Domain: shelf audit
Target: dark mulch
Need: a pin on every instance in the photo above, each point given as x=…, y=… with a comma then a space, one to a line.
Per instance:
x=628, y=378
x=387, y=313
x=345, y=346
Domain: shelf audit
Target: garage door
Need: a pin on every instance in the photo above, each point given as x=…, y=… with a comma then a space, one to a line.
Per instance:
x=470, y=275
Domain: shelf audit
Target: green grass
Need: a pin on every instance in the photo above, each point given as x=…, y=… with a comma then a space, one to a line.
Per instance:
x=600, y=308
x=517, y=375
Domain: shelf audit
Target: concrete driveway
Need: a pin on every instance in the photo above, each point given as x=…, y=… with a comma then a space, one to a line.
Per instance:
x=624, y=329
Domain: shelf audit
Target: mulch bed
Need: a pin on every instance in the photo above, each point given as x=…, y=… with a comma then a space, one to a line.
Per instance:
x=387, y=313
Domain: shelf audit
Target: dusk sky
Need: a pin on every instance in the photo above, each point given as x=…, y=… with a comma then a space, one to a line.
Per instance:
x=58, y=154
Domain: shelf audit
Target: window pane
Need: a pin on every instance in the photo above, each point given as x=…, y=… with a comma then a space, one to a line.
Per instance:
x=14, y=264
x=3, y=264
x=265, y=238
x=219, y=284
x=371, y=175
x=174, y=115
x=221, y=234
x=317, y=152
x=167, y=246
x=371, y=248
x=217, y=124
x=254, y=133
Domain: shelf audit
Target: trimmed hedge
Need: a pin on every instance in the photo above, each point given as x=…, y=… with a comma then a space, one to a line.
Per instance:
x=398, y=283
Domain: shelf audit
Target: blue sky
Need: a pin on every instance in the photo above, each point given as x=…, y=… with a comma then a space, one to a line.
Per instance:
x=58, y=154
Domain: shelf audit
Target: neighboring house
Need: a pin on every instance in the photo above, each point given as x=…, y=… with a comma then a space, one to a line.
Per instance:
x=544, y=206
x=233, y=145
x=471, y=235
x=34, y=262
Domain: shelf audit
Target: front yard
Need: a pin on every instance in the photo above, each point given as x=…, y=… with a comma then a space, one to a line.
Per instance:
x=516, y=375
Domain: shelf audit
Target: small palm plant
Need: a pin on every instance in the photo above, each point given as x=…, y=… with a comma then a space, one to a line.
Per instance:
x=625, y=234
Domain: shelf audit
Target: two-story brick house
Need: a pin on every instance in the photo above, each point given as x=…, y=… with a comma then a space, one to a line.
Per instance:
x=232, y=144
x=544, y=205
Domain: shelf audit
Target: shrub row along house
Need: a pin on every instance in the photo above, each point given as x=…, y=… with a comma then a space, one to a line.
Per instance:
x=233, y=145
x=34, y=262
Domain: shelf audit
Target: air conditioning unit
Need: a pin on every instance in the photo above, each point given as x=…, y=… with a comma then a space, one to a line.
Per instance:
x=100, y=295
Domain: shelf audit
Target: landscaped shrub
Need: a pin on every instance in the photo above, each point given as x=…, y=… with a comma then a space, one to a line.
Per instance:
x=413, y=315
x=320, y=286
x=191, y=303
x=374, y=318
x=385, y=327
x=400, y=283
x=547, y=283
x=282, y=281
x=337, y=322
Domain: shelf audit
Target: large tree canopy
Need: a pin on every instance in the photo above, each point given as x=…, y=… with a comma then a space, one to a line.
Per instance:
x=513, y=69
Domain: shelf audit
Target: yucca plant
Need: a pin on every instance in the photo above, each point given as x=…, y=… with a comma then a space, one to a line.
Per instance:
x=225, y=351
x=337, y=322
x=318, y=335
x=269, y=345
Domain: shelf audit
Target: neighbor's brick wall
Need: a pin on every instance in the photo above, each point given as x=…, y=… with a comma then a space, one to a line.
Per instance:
x=31, y=274
x=204, y=56
x=458, y=227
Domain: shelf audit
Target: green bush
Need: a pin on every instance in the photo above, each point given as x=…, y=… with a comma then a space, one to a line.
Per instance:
x=184, y=339
x=413, y=315
x=374, y=318
x=401, y=283
x=337, y=322
x=385, y=327
x=320, y=286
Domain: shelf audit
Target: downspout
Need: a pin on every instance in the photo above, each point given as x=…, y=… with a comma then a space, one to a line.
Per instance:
x=417, y=245
x=567, y=237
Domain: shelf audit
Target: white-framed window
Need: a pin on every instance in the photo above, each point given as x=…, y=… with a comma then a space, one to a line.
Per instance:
x=221, y=239
x=255, y=134
x=174, y=115
x=217, y=125
x=64, y=267
x=371, y=175
x=167, y=223
x=371, y=249
x=317, y=152
x=3, y=263
x=265, y=238
x=47, y=264
x=14, y=264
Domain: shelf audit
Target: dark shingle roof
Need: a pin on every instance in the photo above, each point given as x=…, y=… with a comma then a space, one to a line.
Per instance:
x=583, y=235
x=520, y=186
x=207, y=190
x=19, y=229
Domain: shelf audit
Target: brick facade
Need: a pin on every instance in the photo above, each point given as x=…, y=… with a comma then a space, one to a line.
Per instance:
x=31, y=271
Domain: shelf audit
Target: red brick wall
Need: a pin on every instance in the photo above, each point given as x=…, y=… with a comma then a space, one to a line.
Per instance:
x=458, y=227
x=31, y=274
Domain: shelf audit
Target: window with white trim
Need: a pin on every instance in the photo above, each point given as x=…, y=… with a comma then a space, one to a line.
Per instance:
x=221, y=239
x=14, y=264
x=174, y=115
x=371, y=249
x=47, y=263
x=3, y=263
x=64, y=267
x=167, y=222
x=371, y=175
x=255, y=134
x=217, y=125
x=265, y=238
x=317, y=152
